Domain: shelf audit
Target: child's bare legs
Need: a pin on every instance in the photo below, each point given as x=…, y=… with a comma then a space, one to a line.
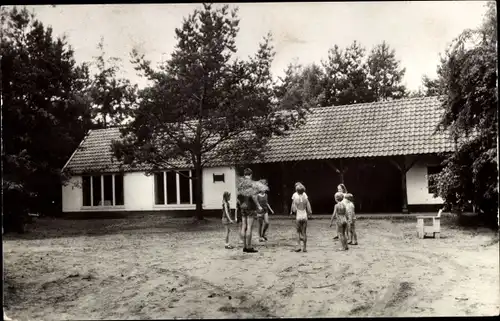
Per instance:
x=261, y=227
x=266, y=226
x=304, y=236
x=341, y=232
x=248, y=232
x=344, y=236
x=354, y=236
x=299, y=235
x=243, y=230
x=227, y=234
x=228, y=229
x=348, y=233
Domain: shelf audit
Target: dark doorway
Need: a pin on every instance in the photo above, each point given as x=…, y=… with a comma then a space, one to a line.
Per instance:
x=375, y=184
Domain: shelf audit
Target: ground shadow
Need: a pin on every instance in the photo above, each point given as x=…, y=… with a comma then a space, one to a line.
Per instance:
x=59, y=228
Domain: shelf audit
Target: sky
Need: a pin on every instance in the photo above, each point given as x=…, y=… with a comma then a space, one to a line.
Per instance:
x=303, y=32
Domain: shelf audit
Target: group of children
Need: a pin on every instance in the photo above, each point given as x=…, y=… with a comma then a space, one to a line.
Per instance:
x=345, y=216
x=343, y=213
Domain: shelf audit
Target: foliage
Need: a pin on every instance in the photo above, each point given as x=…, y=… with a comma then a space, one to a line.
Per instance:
x=43, y=116
x=205, y=105
x=301, y=85
x=249, y=187
x=111, y=97
x=469, y=79
x=385, y=74
x=348, y=76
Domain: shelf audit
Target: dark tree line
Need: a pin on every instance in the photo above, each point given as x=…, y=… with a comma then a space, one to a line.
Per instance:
x=49, y=102
x=347, y=76
x=205, y=104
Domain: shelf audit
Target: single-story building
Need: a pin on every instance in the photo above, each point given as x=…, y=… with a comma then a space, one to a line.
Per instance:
x=383, y=152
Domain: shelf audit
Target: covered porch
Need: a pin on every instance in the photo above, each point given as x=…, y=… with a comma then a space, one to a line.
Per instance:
x=379, y=184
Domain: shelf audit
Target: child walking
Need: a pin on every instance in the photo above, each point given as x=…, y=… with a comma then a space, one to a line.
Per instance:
x=339, y=213
x=340, y=189
x=226, y=216
x=302, y=208
x=263, y=215
x=292, y=208
x=351, y=220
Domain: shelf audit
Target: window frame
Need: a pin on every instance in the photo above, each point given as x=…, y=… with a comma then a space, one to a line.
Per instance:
x=113, y=191
x=176, y=185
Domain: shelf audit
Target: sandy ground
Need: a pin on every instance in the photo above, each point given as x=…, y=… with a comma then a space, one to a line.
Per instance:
x=157, y=267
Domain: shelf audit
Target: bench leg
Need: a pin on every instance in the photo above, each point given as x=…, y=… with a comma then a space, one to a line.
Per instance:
x=436, y=235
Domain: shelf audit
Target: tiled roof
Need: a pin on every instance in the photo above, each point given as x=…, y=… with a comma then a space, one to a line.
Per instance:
x=397, y=127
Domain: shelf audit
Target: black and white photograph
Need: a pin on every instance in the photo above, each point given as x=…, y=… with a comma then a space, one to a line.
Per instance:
x=249, y=160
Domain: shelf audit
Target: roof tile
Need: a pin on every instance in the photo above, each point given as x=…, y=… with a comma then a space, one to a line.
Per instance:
x=397, y=127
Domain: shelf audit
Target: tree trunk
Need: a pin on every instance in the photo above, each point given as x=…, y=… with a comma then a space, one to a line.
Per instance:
x=199, y=191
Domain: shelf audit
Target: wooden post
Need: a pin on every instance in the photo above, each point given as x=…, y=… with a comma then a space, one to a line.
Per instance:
x=340, y=169
x=405, y=190
x=341, y=172
x=400, y=163
x=284, y=188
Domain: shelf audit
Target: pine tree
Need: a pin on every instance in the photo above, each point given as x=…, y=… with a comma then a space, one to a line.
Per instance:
x=385, y=74
x=205, y=104
x=112, y=97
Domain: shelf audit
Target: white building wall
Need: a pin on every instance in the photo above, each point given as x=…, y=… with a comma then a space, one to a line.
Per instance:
x=138, y=190
x=139, y=193
x=417, y=185
x=72, y=197
x=212, y=191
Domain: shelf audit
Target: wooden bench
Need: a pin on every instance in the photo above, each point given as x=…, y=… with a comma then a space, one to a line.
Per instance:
x=435, y=228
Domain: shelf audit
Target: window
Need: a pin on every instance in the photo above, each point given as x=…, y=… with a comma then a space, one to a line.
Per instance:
x=103, y=190
x=108, y=190
x=431, y=170
x=96, y=191
x=173, y=188
x=159, y=189
x=184, y=187
x=218, y=178
x=119, y=193
x=86, y=191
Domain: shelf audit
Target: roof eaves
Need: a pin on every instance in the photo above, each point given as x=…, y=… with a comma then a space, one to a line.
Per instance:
x=77, y=149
